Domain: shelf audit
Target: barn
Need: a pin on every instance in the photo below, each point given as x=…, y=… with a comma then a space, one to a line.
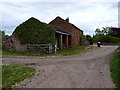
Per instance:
x=72, y=34
x=38, y=37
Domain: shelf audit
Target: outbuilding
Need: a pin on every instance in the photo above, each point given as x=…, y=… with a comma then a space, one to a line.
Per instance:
x=35, y=36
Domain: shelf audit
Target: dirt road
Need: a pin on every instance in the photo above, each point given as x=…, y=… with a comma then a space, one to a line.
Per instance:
x=88, y=70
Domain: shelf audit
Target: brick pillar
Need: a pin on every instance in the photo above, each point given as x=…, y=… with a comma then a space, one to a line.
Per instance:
x=66, y=40
x=60, y=41
x=70, y=40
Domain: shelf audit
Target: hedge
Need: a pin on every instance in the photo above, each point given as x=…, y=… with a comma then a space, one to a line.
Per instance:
x=109, y=39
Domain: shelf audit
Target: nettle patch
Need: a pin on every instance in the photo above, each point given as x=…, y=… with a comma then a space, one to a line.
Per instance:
x=34, y=31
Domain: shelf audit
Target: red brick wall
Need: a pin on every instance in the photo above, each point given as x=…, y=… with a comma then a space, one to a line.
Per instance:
x=66, y=26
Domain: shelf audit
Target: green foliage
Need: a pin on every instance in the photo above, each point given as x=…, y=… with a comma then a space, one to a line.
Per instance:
x=7, y=37
x=90, y=39
x=104, y=36
x=98, y=31
x=82, y=39
x=104, y=31
x=11, y=74
x=115, y=68
x=108, y=39
x=2, y=33
x=33, y=31
x=4, y=36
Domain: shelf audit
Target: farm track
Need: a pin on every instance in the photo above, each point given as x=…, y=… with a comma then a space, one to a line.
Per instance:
x=87, y=70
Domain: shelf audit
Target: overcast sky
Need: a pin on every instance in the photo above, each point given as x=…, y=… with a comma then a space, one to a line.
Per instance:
x=85, y=15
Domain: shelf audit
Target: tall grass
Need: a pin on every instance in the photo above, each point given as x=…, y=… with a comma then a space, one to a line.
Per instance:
x=115, y=68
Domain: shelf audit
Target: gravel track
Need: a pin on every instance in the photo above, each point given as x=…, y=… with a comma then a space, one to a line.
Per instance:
x=87, y=70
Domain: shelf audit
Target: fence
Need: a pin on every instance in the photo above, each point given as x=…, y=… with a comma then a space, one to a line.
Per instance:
x=39, y=48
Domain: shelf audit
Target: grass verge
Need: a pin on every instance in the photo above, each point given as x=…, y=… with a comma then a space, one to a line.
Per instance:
x=65, y=52
x=74, y=50
x=21, y=53
x=11, y=74
x=115, y=68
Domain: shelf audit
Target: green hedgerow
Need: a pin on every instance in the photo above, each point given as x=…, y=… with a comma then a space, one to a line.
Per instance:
x=115, y=68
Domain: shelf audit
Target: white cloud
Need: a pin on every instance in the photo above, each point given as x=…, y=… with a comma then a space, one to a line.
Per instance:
x=59, y=1
x=86, y=15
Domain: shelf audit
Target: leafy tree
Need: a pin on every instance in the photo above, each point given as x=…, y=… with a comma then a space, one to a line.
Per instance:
x=4, y=36
x=2, y=33
x=90, y=39
x=103, y=35
x=106, y=30
x=7, y=37
x=98, y=32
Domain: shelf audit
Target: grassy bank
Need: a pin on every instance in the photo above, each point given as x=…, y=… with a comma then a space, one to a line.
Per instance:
x=115, y=68
x=74, y=50
x=11, y=74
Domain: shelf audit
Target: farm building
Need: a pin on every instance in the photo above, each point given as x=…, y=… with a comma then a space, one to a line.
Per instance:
x=38, y=37
x=32, y=36
x=115, y=32
x=72, y=38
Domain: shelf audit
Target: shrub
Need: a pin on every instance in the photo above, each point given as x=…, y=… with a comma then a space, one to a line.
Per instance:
x=108, y=39
x=90, y=39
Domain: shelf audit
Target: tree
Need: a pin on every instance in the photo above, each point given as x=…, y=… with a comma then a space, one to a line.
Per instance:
x=103, y=35
x=90, y=39
x=3, y=35
x=106, y=30
x=98, y=31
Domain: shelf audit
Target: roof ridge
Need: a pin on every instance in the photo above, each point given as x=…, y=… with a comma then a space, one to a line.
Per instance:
x=66, y=22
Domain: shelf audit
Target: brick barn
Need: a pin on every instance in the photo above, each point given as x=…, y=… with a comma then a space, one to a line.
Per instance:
x=59, y=33
x=67, y=34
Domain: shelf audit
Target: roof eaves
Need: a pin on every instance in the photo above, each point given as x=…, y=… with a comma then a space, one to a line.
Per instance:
x=58, y=30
